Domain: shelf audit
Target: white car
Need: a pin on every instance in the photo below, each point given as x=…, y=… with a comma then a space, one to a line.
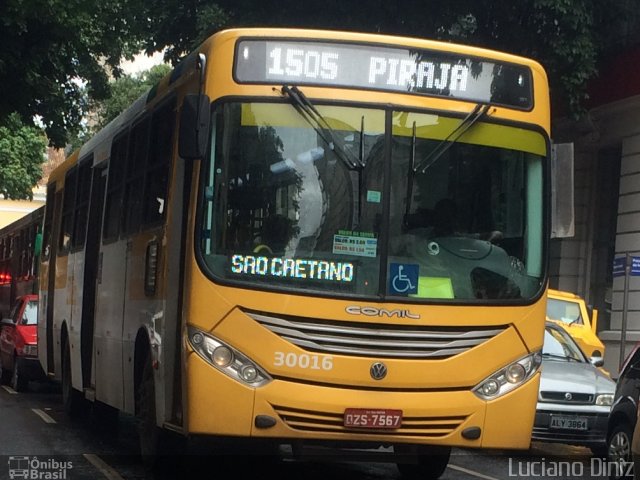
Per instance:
x=575, y=397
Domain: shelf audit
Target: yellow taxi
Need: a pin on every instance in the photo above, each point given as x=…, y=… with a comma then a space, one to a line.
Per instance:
x=570, y=311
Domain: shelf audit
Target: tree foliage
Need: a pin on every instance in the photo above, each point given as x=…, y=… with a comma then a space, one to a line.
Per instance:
x=124, y=91
x=48, y=46
x=51, y=49
x=22, y=152
x=564, y=35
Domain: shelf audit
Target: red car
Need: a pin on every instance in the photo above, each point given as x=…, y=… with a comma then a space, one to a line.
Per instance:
x=19, y=344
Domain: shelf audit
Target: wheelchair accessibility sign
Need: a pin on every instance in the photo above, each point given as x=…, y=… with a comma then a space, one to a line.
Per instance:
x=403, y=278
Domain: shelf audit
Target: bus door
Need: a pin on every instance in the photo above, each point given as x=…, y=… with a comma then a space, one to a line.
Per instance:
x=110, y=281
x=91, y=268
x=49, y=254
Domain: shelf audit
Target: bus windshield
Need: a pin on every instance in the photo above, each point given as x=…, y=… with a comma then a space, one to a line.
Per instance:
x=398, y=210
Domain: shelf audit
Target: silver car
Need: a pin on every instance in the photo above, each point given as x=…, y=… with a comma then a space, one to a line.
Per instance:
x=575, y=396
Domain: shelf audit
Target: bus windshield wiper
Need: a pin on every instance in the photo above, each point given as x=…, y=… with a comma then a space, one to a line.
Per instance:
x=476, y=114
x=314, y=118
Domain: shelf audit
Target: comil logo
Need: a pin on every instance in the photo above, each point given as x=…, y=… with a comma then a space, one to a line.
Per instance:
x=38, y=469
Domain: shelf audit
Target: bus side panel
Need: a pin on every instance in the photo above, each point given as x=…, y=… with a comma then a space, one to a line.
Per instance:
x=140, y=310
x=108, y=325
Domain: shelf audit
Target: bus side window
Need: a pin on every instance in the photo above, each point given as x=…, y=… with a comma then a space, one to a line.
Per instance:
x=68, y=205
x=158, y=164
x=82, y=202
x=115, y=187
x=134, y=184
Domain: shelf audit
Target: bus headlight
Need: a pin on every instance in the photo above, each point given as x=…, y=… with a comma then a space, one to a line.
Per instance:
x=509, y=377
x=226, y=358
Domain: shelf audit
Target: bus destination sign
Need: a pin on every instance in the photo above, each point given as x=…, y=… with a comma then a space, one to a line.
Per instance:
x=423, y=72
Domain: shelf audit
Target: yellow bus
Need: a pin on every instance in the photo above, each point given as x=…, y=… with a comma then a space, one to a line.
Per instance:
x=310, y=237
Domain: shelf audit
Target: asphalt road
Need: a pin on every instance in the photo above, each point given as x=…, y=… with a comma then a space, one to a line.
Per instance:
x=37, y=440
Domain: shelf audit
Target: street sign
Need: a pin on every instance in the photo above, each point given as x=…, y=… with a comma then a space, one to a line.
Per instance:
x=619, y=266
x=635, y=266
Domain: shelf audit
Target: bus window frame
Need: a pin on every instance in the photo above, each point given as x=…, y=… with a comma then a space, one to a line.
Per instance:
x=130, y=220
x=110, y=204
x=168, y=105
x=67, y=210
x=388, y=109
x=85, y=165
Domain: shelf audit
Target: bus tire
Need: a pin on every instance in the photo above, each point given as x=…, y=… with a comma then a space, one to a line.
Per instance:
x=18, y=381
x=148, y=431
x=72, y=400
x=5, y=375
x=422, y=462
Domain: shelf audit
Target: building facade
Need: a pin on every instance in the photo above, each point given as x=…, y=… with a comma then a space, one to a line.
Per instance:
x=607, y=206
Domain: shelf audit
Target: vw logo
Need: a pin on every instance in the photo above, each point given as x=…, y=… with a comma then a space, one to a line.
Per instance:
x=378, y=371
x=568, y=396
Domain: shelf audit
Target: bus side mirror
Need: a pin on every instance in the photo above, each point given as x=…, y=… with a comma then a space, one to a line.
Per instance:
x=195, y=118
x=562, y=208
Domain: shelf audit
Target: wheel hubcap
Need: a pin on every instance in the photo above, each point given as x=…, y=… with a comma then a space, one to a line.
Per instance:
x=619, y=448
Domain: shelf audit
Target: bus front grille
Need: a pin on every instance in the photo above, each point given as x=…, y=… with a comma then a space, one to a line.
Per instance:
x=375, y=339
x=329, y=422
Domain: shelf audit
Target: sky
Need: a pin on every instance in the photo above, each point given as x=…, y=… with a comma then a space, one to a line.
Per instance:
x=141, y=62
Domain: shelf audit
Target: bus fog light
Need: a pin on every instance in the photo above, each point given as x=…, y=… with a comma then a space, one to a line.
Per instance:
x=197, y=338
x=515, y=373
x=249, y=373
x=222, y=356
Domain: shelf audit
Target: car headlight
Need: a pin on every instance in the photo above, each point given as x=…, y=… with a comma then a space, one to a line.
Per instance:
x=509, y=377
x=226, y=358
x=604, y=400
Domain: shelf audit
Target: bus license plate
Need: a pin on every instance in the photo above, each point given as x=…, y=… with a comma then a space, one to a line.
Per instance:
x=568, y=423
x=370, y=418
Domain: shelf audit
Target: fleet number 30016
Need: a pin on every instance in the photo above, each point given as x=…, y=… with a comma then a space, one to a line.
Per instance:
x=303, y=360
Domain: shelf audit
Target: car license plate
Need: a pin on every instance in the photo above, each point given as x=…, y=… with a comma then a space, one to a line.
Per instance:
x=568, y=423
x=372, y=418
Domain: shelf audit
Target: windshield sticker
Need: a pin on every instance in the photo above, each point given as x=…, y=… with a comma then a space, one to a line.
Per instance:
x=360, y=244
x=298, y=268
x=374, y=196
x=403, y=278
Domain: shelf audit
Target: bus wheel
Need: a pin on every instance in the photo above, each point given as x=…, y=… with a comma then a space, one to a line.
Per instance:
x=148, y=431
x=5, y=375
x=422, y=462
x=18, y=382
x=72, y=400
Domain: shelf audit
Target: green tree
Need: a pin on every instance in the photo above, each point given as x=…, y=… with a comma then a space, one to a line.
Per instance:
x=564, y=35
x=48, y=46
x=49, y=49
x=22, y=153
x=124, y=91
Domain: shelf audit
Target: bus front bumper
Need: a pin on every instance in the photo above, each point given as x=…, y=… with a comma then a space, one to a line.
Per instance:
x=285, y=409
